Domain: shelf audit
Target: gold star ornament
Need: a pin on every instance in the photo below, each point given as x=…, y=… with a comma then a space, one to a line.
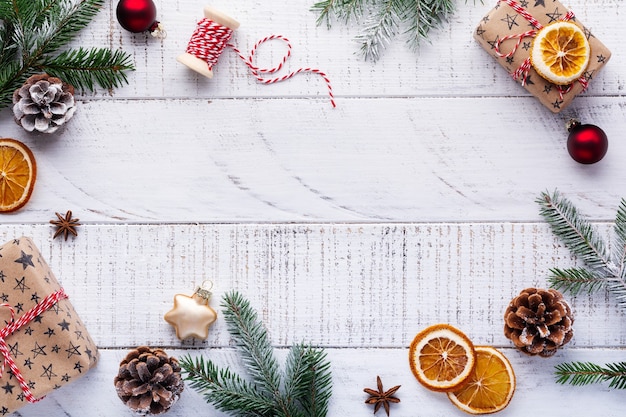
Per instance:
x=192, y=316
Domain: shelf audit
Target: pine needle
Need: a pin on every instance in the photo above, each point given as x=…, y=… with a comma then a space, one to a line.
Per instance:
x=581, y=238
x=424, y=17
x=574, y=230
x=380, y=27
x=585, y=373
x=576, y=280
x=225, y=390
x=345, y=10
x=84, y=67
x=619, y=253
x=253, y=342
x=31, y=33
x=302, y=390
x=384, y=19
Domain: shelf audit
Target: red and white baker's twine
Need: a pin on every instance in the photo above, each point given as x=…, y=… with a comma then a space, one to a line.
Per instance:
x=523, y=70
x=210, y=39
x=13, y=326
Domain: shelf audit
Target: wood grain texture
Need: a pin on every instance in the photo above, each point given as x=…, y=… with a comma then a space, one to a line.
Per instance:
x=285, y=160
x=350, y=375
x=451, y=64
x=360, y=291
x=344, y=286
x=352, y=228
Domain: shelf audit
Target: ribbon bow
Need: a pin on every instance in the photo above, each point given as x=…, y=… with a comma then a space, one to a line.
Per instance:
x=523, y=70
x=12, y=326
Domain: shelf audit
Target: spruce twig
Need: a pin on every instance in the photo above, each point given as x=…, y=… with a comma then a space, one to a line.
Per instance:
x=424, y=17
x=31, y=33
x=303, y=389
x=619, y=252
x=86, y=67
x=581, y=238
x=576, y=280
x=384, y=19
x=224, y=389
x=585, y=373
x=380, y=27
x=575, y=231
x=345, y=10
x=601, y=270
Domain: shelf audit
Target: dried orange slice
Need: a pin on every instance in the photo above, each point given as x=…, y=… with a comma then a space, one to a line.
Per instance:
x=441, y=357
x=491, y=384
x=18, y=172
x=560, y=52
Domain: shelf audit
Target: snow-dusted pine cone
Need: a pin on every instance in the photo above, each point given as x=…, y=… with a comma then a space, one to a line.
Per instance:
x=149, y=381
x=538, y=321
x=43, y=103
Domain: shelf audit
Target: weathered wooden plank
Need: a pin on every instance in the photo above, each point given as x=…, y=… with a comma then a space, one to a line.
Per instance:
x=451, y=64
x=429, y=159
x=350, y=285
x=353, y=370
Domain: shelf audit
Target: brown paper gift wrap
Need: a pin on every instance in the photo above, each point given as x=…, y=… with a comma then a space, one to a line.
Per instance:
x=48, y=351
x=503, y=20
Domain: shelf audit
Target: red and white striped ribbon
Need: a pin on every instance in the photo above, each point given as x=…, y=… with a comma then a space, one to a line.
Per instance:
x=523, y=70
x=13, y=326
x=210, y=38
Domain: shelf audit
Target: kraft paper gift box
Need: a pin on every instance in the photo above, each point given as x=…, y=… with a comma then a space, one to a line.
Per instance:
x=43, y=343
x=504, y=20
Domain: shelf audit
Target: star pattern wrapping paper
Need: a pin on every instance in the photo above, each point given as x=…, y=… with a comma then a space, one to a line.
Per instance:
x=51, y=350
x=503, y=20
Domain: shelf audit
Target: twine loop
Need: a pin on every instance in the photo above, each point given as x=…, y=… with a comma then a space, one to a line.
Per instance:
x=210, y=38
x=523, y=70
x=12, y=326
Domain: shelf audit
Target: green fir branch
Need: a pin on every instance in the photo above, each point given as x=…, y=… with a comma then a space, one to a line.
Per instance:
x=619, y=252
x=65, y=20
x=344, y=10
x=253, y=341
x=10, y=81
x=303, y=389
x=379, y=29
x=585, y=373
x=581, y=238
x=576, y=280
x=425, y=16
x=576, y=232
x=8, y=49
x=83, y=68
x=31, y=33
x=225, y=390
x=316, y=384
x=295, y=370
x=19, y=11
x=385, y=18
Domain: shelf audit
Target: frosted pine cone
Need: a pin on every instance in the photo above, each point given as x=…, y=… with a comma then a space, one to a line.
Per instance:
x=538, y=321
x=43, y=103
x=148, y=381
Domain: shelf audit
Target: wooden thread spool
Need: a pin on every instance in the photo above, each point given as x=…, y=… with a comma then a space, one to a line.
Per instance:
x=196, y=63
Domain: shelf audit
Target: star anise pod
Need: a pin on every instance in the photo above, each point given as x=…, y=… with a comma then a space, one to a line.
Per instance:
x=381, y=397
x=65, y=225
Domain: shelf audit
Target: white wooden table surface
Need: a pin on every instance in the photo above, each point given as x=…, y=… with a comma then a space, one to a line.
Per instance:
x=353, y=228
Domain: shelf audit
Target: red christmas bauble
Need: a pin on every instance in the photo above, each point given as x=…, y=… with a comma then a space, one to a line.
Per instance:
x=586, y=144
x=137, y=15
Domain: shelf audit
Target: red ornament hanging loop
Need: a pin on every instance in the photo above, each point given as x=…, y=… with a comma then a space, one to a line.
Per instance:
x=138, y=16
x=586, y=144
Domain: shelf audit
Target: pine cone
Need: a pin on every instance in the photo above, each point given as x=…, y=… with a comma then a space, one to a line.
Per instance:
x=538, y=321
x=148, y=381
x=43, y=103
